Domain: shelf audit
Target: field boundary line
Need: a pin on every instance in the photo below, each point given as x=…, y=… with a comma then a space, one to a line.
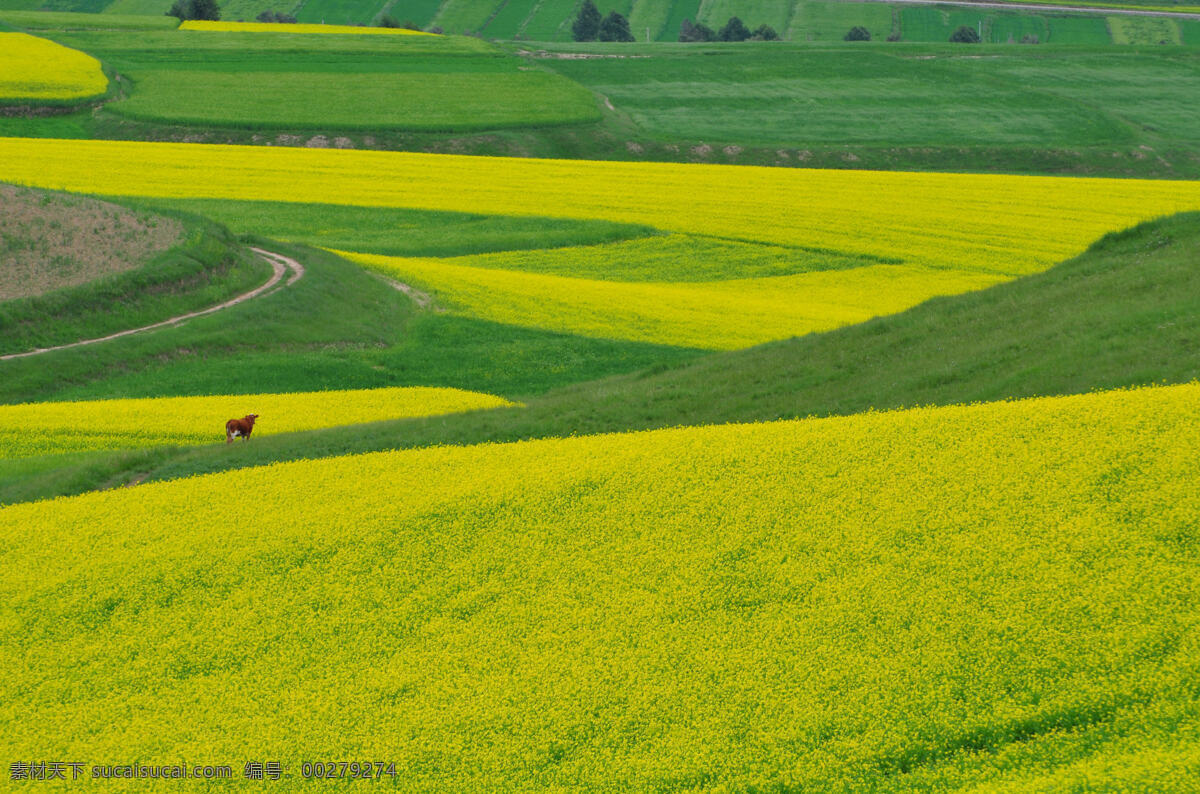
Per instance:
x=1081, y=9
x=280, y=265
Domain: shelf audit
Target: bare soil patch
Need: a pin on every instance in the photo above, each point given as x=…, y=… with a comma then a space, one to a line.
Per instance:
x=49, y=241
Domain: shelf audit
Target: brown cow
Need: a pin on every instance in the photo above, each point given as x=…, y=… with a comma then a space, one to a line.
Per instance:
x=239, y=427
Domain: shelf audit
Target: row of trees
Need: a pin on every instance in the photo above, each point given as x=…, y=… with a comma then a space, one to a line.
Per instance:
x=590, y=26
x=965, y=34
x=195, y=9
x=733, y=30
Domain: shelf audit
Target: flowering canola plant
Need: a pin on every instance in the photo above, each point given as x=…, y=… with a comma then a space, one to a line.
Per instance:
x=55, y=427
x=33, y=68
x=943, y=232
x=268, y=27
x=716, y=315
x=997, y=596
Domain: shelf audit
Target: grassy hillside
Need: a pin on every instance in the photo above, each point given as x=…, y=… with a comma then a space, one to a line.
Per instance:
x=996, y=595
x=1119, y=315
x=73, y=268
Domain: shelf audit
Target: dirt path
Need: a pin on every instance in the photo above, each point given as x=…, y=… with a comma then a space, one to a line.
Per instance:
x=281, y=265
x=422, y=299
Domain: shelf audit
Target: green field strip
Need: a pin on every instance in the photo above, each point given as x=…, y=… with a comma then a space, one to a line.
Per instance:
x=466, y=16
x=421, y=12
x=1011, y=28
x=323, y=101
x=139, y=7
x=508, y=21
x=551, y=20
x=333, y=12
x=680, y=10
x=649, y=16
x=815, y=20
x=752, y=12
x=61, y=20
x=1144, y=30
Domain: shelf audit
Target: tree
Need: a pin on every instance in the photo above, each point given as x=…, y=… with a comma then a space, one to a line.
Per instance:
x=765, y=33
x=587, y=25
x=734, y=30
x=388, y=21
x=195, y=9
x=696, y=32
x=857, y=33
x=615, y=27
x=965, y=35
x=275, y=16
x=207, y=9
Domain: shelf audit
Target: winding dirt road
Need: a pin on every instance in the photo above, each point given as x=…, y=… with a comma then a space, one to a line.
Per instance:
x=280, y=264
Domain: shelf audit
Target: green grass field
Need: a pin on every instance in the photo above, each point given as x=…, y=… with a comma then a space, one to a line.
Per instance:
x=311, y=83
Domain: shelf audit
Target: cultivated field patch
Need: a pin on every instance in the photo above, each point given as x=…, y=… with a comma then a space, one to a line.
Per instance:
x=39, y=70
x=713, y=315
x=33, y=429
x=262, y=27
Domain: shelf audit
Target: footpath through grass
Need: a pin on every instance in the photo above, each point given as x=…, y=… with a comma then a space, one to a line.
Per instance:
x=78, y=268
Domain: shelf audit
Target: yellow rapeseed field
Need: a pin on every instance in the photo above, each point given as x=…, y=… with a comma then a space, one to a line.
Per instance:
x=33, y=68
x=54, y=427
x=715, y=315
x=265, y=27
x=998, y=597
x=993, y=223
x=946, y=232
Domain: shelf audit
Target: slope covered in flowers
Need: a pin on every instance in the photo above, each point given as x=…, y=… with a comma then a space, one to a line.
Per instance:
x=33, y=68
x=1000, y=595
x=939, y=233
x=53, y=427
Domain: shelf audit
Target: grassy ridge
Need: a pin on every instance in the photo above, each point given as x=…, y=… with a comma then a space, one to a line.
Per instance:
x=991, y=595
x=206, y=267
x=1119, y=315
